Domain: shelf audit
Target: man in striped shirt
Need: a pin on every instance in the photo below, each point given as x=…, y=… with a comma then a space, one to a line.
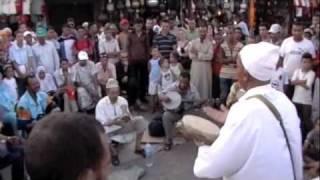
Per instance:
x=165, y=41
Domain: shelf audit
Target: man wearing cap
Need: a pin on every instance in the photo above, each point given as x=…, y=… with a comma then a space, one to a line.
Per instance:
x=113, y=113
x=123, y=35
x=29, y=38
x=45, y=53
x=85, y=78
x=275, y=34
x=251, y=143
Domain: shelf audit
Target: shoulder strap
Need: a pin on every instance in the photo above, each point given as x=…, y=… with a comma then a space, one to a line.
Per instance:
x=276, y=113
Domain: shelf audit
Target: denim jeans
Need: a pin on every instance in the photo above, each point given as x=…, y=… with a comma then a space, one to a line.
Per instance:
x=225, y=85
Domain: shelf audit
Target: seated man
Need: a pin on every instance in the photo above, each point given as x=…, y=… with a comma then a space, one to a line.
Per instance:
x=189, y=96
x=113, y=113
x=67, y=146
x=85, y=78
x=33, y=104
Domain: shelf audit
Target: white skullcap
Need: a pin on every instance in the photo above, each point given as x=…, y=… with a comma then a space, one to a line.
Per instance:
x=260, y=60
x=83, y=56
x=112, y=83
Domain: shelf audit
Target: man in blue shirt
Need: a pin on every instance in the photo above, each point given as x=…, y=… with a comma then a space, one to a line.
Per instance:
x=33, y=101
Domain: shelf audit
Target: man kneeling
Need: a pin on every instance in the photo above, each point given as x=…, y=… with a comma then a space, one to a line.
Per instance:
x=113, y=113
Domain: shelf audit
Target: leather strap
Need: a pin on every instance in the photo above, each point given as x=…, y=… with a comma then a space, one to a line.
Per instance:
x=276, y=113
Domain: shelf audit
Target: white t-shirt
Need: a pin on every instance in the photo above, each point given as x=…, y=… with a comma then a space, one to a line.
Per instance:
x=12, y=84
x=111, y=46
x=279, y=79
x=302, y=95
x=292, y=52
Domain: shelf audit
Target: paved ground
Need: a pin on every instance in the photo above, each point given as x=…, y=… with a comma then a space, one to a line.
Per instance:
x=174, y=165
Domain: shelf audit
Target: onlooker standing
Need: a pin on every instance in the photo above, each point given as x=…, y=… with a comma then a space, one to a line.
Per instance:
x=165, y=41
x=201, y=54
x=123, y=35
x=105, y=71
x=229, y=52
x=67, y=40
x=280, y=80
x=154, y=76
x=122, y=72
x=138, y=63
x=45, y=52
x=275, y=34
x=183, y=49
x=263, y=32
x=109, y=45
x=21, y=56
x=83, y=42
x=242, y=24
x=53, y=37
x=303, y=79
x=216, y=65
x=192, y=32
x=149, y=31
x=291, y=52
x=94, y=38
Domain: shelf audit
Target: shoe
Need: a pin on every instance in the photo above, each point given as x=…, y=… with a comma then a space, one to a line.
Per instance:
x=115, y=160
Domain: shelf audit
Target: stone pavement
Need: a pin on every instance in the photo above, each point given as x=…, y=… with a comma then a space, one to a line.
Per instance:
x=174, y=165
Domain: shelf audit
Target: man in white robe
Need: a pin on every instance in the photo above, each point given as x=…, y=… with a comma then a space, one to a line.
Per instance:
x=201, y=53
x=251, y=144
x=45, y=52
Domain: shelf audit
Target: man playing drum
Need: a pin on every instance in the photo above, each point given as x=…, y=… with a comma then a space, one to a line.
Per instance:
x=260, y=138
x=189, y=96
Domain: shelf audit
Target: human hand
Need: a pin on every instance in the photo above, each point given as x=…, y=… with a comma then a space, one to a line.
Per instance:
x=164, y=98
x=14, y=140
x=219, y=116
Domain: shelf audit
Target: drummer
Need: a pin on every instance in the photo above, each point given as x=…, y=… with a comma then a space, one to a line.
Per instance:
x=113, y=113
x=189, y=95
x=251, y=144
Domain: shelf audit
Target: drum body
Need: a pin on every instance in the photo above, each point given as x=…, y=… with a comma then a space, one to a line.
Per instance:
x=193, y=126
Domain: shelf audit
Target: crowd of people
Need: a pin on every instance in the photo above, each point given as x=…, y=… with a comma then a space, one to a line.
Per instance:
x=110, y=73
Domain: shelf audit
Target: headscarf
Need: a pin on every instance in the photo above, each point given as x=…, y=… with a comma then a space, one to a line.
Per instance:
x=47, y=84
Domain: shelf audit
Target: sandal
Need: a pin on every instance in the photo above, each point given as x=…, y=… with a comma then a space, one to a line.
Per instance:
x=115, y=160
x=140, y=152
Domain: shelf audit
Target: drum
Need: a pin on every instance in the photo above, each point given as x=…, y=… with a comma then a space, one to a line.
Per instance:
x=193, y=126
x=175, y=100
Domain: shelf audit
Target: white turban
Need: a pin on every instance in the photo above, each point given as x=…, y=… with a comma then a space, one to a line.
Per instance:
x=260, y=60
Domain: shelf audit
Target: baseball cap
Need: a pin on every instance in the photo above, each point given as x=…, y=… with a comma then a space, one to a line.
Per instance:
x=275, y=28
x=124, y=22
x=41, y=32
x=83, y=56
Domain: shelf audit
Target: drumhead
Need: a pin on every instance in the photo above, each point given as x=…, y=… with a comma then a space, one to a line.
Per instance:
x=200, y=124
x=175, y=100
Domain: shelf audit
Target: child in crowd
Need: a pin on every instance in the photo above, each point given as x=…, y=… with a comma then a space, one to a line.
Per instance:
x=175, y=66
x=10, y=80
x=311, y=151
x=154, y=76
x=167, y=76
x=303, y=79
x=47, y=83
x=280, y=80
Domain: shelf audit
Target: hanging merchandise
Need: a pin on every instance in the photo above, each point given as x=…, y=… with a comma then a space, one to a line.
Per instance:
x=26, y=7
x=38, y=7
x=252, y=14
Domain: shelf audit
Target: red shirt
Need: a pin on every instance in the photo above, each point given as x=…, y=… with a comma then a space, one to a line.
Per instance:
x=83, y=45
x=216, y=66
